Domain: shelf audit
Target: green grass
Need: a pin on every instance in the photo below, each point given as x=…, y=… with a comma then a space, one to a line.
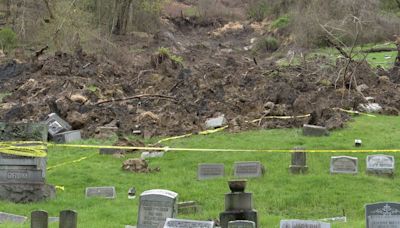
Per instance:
x=277, y=195
x=2, y=96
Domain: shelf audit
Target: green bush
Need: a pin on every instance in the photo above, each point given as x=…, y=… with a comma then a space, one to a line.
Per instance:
x=268, y=43
x=281, y=23
x=8, y=39
x=258, y=10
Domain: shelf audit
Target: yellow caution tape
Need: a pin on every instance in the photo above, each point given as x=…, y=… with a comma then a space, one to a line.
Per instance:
x=62, y=188
x=280, y=117
x=24, y=148
x=200, y=133
x=354, y=112
x=69, y=162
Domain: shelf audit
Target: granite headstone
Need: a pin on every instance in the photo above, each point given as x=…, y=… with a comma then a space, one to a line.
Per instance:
x=380, y=164
x=294, y=223
x=103, y=192
x=248, y=169
x=344, y=164
x=207, y=171
x=183, y=223
x=241, y=224
x=382, y=215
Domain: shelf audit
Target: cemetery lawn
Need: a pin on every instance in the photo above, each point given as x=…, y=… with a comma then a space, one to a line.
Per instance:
x=277, y=195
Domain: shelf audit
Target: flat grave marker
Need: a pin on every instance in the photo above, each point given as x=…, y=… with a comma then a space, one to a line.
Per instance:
x=103, y=192
x=248, y=169
x=344, y=164
x=207, y=171
x=295, y=223
x=183, y=223
x=241, y=224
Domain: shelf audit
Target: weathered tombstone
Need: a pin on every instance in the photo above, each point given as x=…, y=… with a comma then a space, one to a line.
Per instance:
x=215, y=122
x=248, y=169
x=344, y=164
x=382, y=215
x=303, y=224
x=155, y=154
x=380, y=164
x=39, y=219
x=241, y=224
x=67, y=136
x=56, y=124
x=102, y=192
x=188, y=207
x=182, y=223
x=22, y=178
x=313, y=130
x=68, y=219
x=6, y=217
x=207, y=171
x=299, y=161
x=155, y=207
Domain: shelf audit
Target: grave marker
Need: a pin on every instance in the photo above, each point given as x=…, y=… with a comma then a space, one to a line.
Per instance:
x=299, y=161
x=380, y=164
x=344, y=164
x=39, y=219
x=182, y=223
x=207, y=171
x=6, y=217
x=382, y=215
x=313, y=130
x=103, y=192
x=241, y=224
x=56, y=124
x=248, y=169
x=68, y=219
x=155, y=207
x=67, y=136
x=294, y=223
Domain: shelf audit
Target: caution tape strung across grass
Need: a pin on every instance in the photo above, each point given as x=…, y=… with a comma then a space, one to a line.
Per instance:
x=24, y=148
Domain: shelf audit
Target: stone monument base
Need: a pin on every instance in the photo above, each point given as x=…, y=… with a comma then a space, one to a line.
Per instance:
x=227, y=216
x=26, y=193
x=297, y=169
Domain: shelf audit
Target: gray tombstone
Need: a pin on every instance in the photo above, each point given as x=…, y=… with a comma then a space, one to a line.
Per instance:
x=155, y=207
x=155, y=154
x=380, y=164
x=56, y=124
x=241, y=224
x=39, y=219
x=6, y=217
x=182, y=223
x=68, y=219
x=299, y=161
x=294, y=223
x=67, y=136
x=344, y=164
x=102, y=192
x=108, y=151
x=207, y=171
x=313, y=130
x=382, y=215
x=248, y=169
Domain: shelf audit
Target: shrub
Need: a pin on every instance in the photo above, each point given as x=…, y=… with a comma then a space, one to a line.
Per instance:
x=281, y=23
x=8, y=39
x=268, y=43
x=258, y=10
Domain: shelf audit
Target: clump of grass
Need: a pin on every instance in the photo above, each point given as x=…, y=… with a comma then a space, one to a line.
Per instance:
x=8, y=39
x=258, y=10
x=268, y=43
x=281, y=23
x=165, y=53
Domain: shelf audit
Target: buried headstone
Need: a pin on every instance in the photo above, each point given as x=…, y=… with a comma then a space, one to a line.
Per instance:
x=382, y=215
x=155, y=207
x=380, y=164
x=11, y=218
x=103, y=192
x=22, y=178
x=241, y=224
x=188, y=207
x=344, y=164
x=56, y=124
x=248, y=169
x=67, y=136
x=299, y=161
x=68, y=219
x=215, y=122
x=155, y=154
x=303, y=224
x=313, y=130
x=182, y=223
x=39, y=219
x=207, y=171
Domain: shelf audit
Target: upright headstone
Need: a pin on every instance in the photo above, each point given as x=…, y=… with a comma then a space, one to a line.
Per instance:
x=299, y=161
x=103, y=192
x=68, y=219
x=303, y=224
x=241, y=224
x=248, y=169
x=344, y=164
x=380, y=164
x=155, y=207
x=11, y=218
x=207, y=171
x=183, y=223
x=382, y=215
x=39, y=219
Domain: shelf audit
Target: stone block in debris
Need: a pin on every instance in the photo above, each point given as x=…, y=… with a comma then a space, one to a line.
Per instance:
x=56, y=124
x=103, y=192
x=155, y=154
x=111, y=151
x=188, y=207
x=314, y=130
x=67, y=137
x=370, y=107
x=11, y=218
x=216, y=122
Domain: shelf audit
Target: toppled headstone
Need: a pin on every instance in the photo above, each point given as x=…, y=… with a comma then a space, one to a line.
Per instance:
x=67, y=136
x=215, y=122
x=103, y=192
x=370, y=107
x=303, y=224
x=313, y=130
x=344, y=164
x=183, y=223
x=56, y=124
x=138, y=165
x=382, y=215
x=241, y=224
x=155, y=207
x=11, y=218
x=380, y=164
x=207, y=171
x=248, y=169
x=155, y=154
x=188, y=207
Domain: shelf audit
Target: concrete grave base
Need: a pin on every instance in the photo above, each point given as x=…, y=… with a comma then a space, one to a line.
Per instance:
x=228, y=216
x=26, y=193
x=298, y=169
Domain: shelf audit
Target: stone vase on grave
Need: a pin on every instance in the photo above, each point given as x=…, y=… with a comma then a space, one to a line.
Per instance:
x=238, y=205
